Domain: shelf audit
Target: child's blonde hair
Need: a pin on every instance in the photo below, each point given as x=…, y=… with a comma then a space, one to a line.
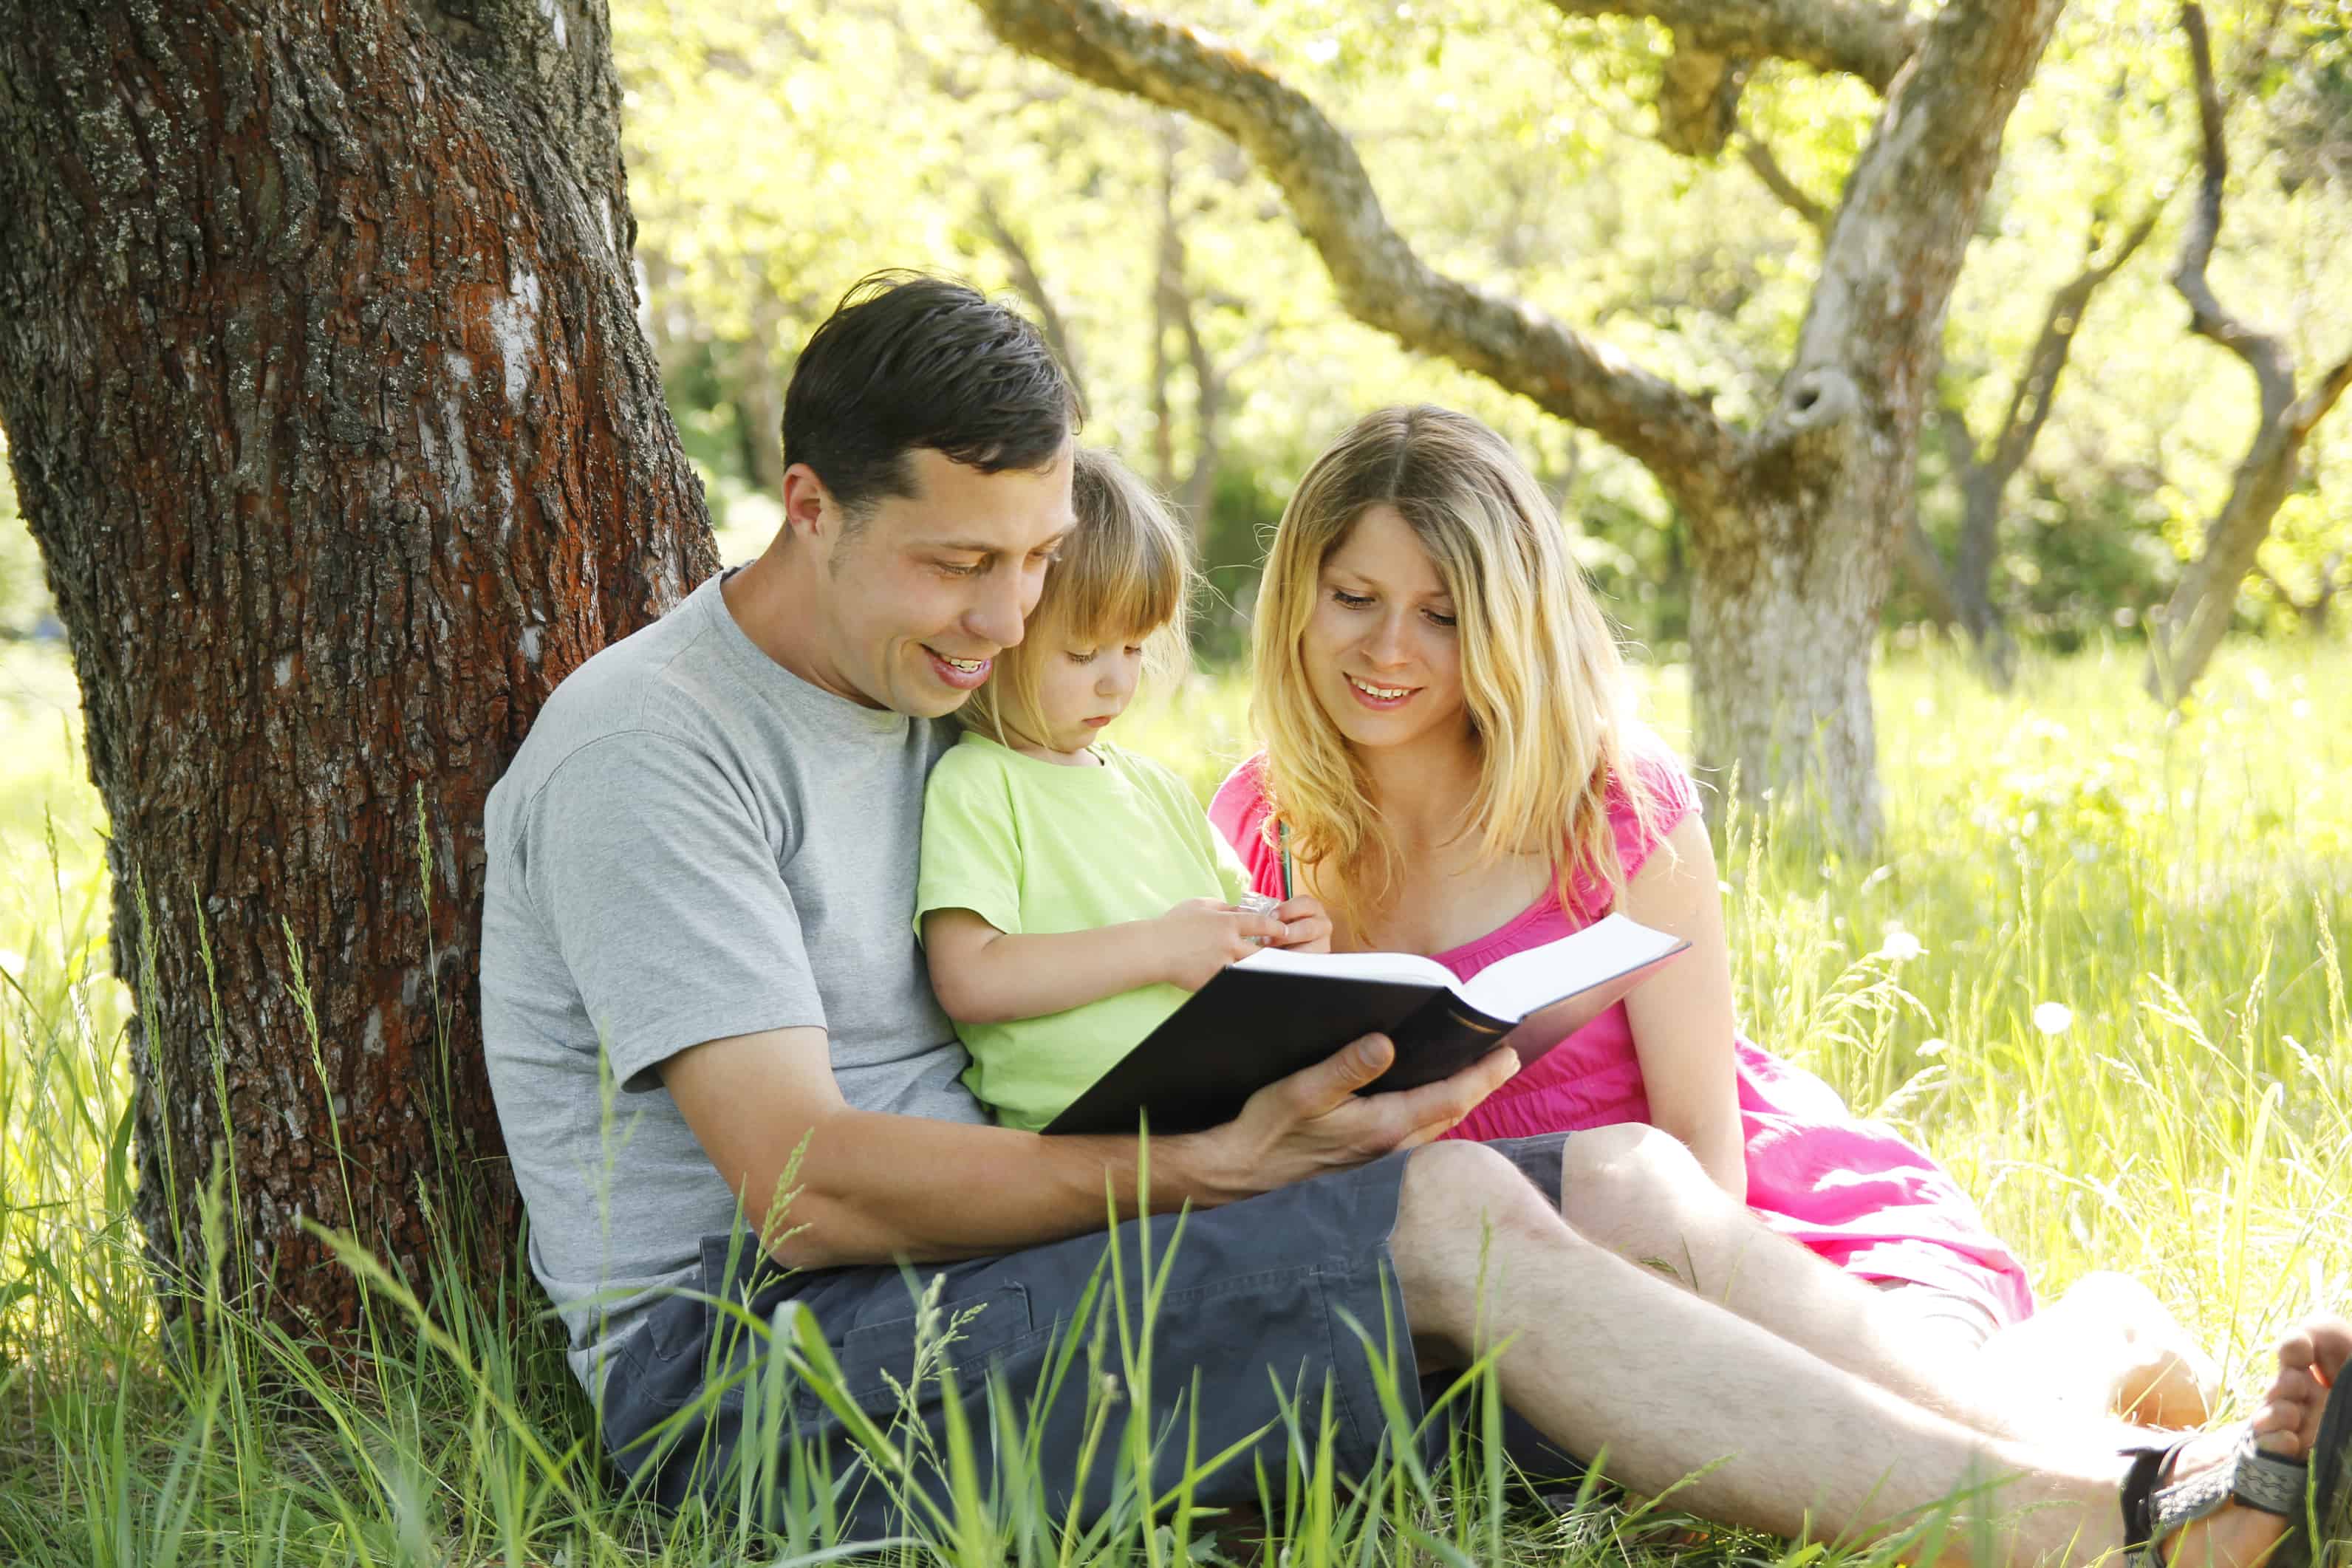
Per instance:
x=1540, y=672
x=1125, y=575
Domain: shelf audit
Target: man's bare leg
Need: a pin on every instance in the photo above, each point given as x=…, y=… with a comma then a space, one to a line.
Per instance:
x=1609, y=1355
x=1638, y=1192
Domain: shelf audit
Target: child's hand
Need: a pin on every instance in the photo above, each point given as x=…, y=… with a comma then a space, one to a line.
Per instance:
x=1202, y=935
x=1306, y=926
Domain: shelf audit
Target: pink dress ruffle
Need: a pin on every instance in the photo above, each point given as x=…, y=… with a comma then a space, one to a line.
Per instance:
x=1849, y=1188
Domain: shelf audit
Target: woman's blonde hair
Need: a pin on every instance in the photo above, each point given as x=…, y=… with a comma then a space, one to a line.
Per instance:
x=1125, y=574
x=1540, y=672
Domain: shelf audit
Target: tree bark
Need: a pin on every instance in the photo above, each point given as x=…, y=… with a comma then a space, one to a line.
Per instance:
x=2182, y=640
x=1794, y=525
x=321, y=377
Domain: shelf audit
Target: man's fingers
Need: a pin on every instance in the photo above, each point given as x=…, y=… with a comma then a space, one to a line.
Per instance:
x=1323, y=1088
x=1447, y=1101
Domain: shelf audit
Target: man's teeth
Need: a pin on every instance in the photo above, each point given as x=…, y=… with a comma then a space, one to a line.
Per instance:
x=1384, y=693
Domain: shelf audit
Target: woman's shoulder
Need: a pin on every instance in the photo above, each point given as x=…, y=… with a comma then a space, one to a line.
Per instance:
x=1659, y=780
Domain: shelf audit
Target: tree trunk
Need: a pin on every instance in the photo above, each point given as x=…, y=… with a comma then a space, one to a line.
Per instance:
x=329, y=409
x=1781, y=652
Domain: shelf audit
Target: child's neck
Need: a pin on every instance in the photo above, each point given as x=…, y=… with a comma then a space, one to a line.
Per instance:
x=1084, y=757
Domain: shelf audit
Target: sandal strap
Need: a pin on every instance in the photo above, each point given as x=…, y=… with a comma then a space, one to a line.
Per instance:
x=2151, y=1515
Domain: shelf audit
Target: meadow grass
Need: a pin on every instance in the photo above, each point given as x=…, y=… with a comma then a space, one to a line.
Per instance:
x=2096, y=965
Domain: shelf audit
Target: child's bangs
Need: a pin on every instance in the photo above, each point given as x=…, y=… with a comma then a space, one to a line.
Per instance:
x=1114, y=584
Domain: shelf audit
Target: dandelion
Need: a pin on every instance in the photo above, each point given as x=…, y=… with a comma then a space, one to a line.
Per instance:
x=1899, y=945
x=2052, y=1018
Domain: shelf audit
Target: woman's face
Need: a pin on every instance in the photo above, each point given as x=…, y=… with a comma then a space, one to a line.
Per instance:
x=1382, y=654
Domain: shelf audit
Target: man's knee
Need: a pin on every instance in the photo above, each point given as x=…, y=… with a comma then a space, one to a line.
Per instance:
x=1611, y=1175
x=1455, y=1197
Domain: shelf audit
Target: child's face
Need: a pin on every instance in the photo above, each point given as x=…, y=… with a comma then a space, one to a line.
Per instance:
x=1083, y=685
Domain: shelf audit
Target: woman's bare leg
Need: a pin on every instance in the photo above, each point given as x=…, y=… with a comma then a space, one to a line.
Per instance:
x=2109, y=1346
x=1638, y=1192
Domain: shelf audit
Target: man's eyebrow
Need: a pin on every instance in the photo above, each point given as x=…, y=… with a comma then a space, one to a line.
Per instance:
x=989, y=547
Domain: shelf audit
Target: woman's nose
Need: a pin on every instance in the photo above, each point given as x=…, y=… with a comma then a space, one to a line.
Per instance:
x=1386, y=645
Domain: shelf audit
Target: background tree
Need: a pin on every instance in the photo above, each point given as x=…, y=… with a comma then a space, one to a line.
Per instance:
x=2182, y=641
x=1790, y=519
x=328, y=406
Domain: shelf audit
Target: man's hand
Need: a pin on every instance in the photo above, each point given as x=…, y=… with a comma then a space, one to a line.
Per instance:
x=1306, y=926
x=1202, y=935
x=1314, y=1120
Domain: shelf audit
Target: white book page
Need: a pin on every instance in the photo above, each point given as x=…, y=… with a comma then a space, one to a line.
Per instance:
x=1512, y=988
x=1398, y=968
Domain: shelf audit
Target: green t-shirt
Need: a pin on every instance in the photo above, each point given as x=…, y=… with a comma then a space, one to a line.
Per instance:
x=1037, y=848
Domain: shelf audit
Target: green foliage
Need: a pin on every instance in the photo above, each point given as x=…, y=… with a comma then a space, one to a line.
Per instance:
x=780, y=151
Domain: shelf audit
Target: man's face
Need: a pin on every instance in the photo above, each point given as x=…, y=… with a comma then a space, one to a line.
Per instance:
x=928, y=588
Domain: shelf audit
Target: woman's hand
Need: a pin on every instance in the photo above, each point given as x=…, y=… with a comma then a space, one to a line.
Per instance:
x=1202, y=935
x=1306, y=926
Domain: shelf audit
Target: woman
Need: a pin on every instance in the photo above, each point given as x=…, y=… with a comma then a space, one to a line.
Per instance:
x=1453, y=765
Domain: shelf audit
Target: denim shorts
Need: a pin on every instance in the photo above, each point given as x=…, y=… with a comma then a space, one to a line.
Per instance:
x=1272, y=1313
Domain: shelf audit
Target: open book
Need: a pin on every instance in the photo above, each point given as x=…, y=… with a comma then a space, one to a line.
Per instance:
x=1276, y=1012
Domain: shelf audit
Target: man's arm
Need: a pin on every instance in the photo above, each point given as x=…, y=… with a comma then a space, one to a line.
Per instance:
x=873, y=1187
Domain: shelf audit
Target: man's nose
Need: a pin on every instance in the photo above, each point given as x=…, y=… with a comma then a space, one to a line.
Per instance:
x=997, y=616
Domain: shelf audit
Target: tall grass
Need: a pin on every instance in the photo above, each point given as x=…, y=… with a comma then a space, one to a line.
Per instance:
x=2097, y=966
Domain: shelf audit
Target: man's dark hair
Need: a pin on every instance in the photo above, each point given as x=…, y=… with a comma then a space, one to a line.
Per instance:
x=907, y=359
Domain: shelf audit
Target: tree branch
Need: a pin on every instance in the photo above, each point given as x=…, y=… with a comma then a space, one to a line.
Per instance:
x=1698, y=101
x=1852, y=37
x=1759, y=157
x=1903, y=225
x=1032, y=286
x=2264, y=354
x=2037, y=388
x=1378, y=279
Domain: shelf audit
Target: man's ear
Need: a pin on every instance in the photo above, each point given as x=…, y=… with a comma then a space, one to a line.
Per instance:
x=810, y=511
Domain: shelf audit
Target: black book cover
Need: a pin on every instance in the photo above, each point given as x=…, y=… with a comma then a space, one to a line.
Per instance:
x=1248, y=1027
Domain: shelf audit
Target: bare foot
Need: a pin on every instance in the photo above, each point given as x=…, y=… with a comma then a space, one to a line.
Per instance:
x=2286, y=1423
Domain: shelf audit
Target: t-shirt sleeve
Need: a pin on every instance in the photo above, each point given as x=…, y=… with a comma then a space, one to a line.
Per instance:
x=1672, y=795
x=1238, y=812
x=661, y=889
x=971, y=847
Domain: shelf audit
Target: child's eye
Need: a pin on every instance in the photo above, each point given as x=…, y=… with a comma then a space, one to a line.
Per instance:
x=1134, y=650
x=1352, y=600
x=1082, y=655
x=957, y=567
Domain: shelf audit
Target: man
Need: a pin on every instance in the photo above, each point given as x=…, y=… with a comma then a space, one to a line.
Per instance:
x=702, y=999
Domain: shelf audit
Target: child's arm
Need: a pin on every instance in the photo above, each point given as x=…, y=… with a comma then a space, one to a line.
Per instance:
x=982, y=976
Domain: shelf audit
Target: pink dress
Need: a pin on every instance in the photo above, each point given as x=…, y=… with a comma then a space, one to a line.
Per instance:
x=1850, y=1189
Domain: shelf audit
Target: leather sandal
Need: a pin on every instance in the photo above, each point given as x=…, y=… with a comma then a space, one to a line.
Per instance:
x=2312, y=1498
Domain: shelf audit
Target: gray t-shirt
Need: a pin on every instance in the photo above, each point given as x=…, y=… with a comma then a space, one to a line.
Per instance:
x=693, y=843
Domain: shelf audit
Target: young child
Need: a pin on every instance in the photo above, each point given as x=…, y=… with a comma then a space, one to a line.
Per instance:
x=1072, y=893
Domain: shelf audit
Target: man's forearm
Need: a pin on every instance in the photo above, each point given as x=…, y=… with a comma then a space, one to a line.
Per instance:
x=874, y=1187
